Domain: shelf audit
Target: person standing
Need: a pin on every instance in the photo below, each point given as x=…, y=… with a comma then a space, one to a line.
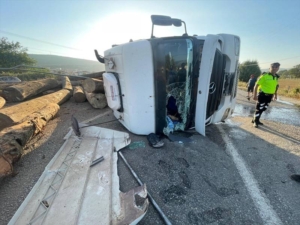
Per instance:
x=250, y=86
x=268, y=86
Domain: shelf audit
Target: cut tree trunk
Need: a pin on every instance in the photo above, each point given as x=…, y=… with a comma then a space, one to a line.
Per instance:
x=21, y=92
x=78, y=94
x=50, y=91
x=13, y=139
x=97, y=100
x=14, y=114
x=4, y=85
x=66, y=83
x=84, y=76
x=2, y=102
x=92, y=85
x=76, y=83
x=94, y=75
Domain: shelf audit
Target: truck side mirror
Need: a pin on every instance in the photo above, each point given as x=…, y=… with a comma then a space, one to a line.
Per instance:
x=166, y=21
x=161, y=20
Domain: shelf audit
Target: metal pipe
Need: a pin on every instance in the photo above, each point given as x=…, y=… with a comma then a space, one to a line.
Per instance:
x=164, y=217
x=97, y=161
x=184, y=26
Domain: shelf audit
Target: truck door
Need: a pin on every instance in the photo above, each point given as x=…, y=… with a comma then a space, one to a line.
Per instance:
x=205, y=86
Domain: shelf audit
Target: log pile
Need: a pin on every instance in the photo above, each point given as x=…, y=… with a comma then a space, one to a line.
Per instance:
x=94, y=92
x=37, y=103
x=14, y=114
x=90, y=75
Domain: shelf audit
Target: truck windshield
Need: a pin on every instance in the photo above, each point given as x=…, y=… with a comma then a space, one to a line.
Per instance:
x=173, y=61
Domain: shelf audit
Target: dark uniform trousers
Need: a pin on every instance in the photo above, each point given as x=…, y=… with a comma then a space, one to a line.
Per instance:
x=262, y=104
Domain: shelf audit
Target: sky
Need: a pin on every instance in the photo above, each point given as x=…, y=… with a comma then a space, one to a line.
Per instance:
x=269, y=29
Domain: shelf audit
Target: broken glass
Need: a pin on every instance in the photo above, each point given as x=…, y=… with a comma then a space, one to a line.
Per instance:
x=178, y=64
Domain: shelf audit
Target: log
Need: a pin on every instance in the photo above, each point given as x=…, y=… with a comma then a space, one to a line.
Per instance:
x=97, y=100
x=92, y=85
x=90, y=75
x=13, y=139
x=76, y=83
x=94, y=75
x=73, y=82
x=4, y=85
x=78, y=94
x=23, y=91
x=16, y=113
x=2, y=102
x=66, y=83
x=49, y=92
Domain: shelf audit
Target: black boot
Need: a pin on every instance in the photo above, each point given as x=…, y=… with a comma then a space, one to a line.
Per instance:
x=255, y=124
x=258, y=122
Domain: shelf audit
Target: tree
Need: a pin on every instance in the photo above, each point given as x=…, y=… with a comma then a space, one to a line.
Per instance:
x=291, y=73
x=247, y=68
x=13, y=54
x=284, y=74
x=295, y=71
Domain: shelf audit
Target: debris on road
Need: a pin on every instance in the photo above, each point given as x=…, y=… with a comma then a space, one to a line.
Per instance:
x=70, y=190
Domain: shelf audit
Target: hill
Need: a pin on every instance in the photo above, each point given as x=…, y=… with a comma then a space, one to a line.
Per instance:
x=54, y=61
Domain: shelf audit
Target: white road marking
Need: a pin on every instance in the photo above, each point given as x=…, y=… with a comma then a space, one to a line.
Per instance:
x=285, y=102
x=262, y=203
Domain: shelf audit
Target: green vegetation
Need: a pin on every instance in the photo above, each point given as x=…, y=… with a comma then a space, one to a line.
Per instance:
x=287, y=87
x=29, y=75
x=12, y=55
x=247, y=68
x=291, y=73
x=289, y=82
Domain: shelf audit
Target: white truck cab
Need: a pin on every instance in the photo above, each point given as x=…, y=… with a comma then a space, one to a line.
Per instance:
x=160, y=85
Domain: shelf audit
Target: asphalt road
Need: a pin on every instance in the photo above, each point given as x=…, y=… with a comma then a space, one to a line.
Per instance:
x=237, y=174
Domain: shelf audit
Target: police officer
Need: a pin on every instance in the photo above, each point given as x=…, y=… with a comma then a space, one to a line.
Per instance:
x=268, y=85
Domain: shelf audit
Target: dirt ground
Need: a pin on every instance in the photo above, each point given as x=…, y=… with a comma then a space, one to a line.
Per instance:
x=40, y=150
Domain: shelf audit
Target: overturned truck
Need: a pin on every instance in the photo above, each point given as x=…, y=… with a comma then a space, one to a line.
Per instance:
x=160, y=85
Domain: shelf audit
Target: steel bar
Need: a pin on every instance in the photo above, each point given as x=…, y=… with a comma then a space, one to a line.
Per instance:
x=97, y=161
x=164, y=217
